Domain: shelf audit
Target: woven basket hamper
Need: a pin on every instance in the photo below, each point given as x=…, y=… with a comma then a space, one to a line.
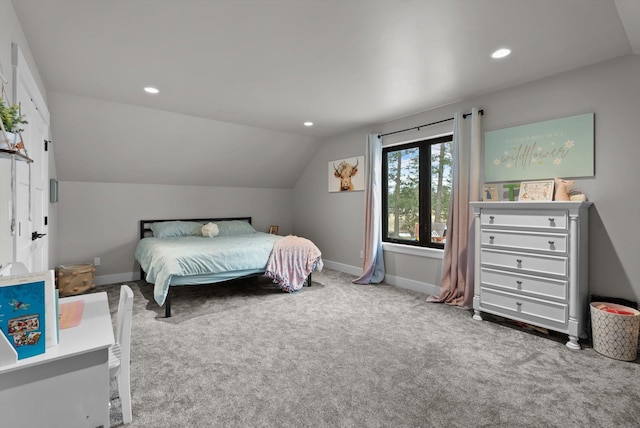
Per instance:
x=75, y=279
x=615, y=335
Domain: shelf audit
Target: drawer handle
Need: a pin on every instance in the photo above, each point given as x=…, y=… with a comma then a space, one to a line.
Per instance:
x=551, y=242
x=491, y=238
x=491, y=218
x=518, y=260
x=551, y=219
x=519, y=282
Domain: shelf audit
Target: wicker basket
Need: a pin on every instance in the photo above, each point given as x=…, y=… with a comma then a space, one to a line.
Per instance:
x=75, y=279
x=615, y=335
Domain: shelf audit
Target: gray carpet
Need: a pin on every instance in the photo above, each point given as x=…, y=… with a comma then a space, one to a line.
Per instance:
x=337, y=354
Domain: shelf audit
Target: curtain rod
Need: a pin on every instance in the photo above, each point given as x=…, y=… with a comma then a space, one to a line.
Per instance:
x=464, y=116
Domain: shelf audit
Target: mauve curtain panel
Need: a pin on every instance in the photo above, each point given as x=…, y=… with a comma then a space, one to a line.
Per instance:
x=456, y=285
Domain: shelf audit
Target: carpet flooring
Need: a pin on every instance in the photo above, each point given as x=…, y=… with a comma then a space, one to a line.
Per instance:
x=337, y=354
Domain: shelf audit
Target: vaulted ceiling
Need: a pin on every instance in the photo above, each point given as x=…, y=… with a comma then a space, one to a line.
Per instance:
x=237, y=79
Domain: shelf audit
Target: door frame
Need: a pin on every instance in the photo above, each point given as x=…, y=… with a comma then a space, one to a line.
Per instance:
x=22, y=76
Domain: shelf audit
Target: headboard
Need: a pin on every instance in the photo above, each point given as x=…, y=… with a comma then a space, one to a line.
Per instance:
x=145, y=225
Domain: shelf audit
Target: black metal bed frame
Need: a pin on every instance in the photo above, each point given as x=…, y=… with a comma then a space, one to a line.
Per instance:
x=145, y=231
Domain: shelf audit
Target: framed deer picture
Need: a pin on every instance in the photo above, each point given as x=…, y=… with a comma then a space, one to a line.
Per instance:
x=346, y=175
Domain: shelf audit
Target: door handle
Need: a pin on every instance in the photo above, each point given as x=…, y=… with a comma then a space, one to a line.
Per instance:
x=36, y=235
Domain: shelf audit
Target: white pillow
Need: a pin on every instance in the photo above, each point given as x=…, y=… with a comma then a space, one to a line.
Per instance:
x=210, y=230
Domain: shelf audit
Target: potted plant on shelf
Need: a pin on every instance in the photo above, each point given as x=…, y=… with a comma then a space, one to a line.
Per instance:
x=11, y=121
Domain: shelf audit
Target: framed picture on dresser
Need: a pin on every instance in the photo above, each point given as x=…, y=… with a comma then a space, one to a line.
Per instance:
x=490, y=193
x=536, y=190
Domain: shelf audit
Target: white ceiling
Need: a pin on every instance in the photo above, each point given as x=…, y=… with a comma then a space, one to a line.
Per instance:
x=342, y=64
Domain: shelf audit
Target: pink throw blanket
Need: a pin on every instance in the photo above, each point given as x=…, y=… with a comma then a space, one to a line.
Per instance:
x=291, y=261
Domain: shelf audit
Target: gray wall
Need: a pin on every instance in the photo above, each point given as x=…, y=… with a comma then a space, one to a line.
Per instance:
x=611, y=90
x=103, y=141
x=101, y=219
x=331, y=219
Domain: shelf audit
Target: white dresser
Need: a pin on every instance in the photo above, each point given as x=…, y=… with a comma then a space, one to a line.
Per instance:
x=531, y=264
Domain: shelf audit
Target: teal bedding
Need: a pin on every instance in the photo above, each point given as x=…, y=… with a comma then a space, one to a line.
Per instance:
x=167, y=261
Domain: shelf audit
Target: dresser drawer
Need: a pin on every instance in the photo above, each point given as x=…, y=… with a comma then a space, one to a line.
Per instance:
x=527, y=263
x=548, y=219
x=541, y=312
x=536, y=286
x=553, y=242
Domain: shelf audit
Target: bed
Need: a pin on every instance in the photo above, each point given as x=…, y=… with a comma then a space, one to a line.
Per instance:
x=174, y=252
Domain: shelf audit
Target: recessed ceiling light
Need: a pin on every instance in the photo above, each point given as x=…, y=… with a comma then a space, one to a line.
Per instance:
x=501, y=53
x=151, y=90
x=308, y=124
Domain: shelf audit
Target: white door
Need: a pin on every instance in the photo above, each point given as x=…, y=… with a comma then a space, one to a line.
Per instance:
x=30, y=239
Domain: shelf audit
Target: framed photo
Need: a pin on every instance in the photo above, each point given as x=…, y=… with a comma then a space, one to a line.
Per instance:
x=273, y=230
x=536, y=190
x=490, y=193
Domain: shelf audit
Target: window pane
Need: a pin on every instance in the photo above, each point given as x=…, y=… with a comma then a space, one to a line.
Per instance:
x=417, y=188
x=402, y=197
x=441, y=163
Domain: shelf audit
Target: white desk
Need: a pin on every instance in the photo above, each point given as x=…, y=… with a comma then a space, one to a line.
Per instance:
x=68, y=385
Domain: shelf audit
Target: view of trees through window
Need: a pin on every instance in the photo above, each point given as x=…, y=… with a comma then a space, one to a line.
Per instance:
x=416, y=191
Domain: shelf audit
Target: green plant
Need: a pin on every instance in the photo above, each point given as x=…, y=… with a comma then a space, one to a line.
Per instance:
x=11, y=117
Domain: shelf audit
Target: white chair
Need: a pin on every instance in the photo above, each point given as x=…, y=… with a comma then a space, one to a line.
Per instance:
x=120, y=352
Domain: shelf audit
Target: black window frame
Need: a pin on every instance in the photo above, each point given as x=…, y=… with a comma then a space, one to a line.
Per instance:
x=424, y=191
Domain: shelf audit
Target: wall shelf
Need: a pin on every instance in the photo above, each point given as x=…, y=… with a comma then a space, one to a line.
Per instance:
x=8, y=154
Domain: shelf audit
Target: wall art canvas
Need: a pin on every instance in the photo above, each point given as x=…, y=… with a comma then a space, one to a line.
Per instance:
x=346, y=175
x=554, y=148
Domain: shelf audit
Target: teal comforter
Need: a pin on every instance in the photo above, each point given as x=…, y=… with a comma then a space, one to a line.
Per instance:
x=164, y=258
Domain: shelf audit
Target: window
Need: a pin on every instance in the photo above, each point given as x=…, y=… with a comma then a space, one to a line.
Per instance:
x=416, y=185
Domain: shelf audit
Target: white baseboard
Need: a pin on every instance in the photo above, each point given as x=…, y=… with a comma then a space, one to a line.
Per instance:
x=341, y=267
x=409, y=284
x=115, y=278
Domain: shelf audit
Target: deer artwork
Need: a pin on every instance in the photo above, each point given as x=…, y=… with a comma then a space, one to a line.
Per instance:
x=344, y=171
